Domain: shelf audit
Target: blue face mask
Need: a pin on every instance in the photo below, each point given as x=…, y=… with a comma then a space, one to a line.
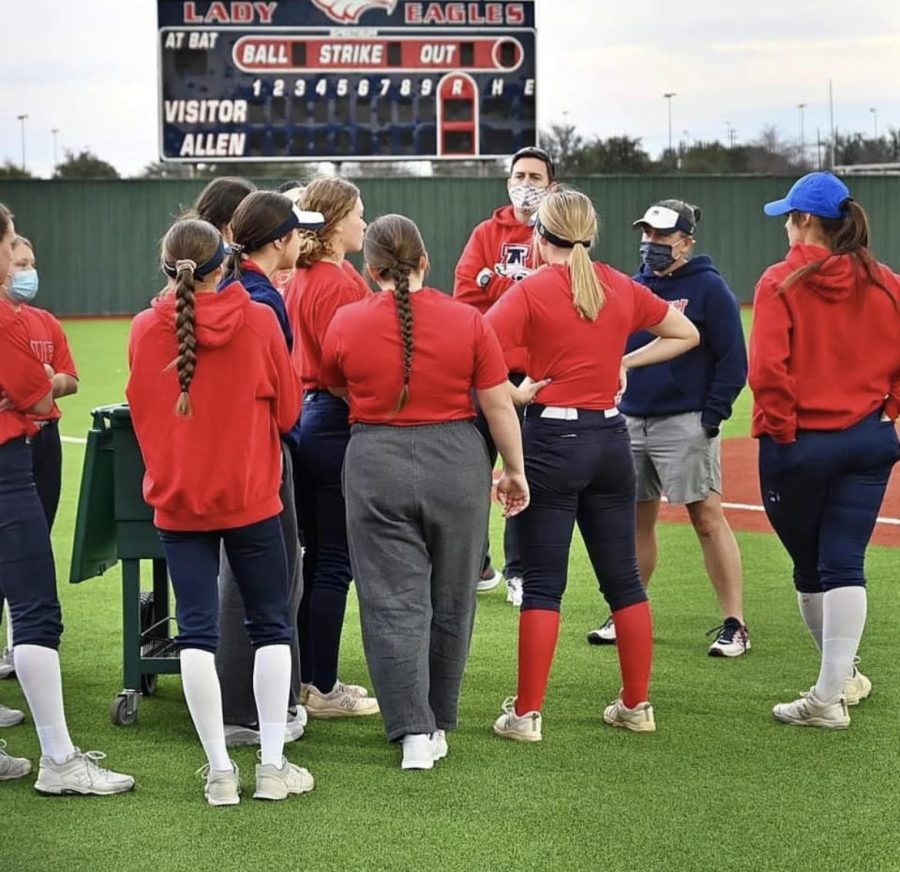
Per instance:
x=24, y=285
x=656, y=256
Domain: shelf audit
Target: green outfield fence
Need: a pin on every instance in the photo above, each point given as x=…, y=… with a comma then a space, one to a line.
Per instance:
x=97, y=240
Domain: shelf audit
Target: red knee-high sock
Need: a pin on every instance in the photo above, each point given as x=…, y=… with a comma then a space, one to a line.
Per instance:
x=538, y=632
x=634, y=642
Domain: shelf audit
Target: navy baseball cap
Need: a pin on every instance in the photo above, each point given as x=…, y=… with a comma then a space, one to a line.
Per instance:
x=821, y=194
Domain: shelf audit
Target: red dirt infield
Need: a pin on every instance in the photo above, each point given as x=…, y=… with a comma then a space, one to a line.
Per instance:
x=743, y=505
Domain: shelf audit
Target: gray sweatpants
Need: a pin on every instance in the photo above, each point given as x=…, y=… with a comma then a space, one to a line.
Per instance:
x=234, y=656
x=417, y=504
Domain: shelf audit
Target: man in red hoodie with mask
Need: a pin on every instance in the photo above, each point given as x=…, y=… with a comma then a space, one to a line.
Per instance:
x=499, y=253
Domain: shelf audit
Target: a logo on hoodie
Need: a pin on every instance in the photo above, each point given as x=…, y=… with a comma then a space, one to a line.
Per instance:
x=680, y=305
x=344, y=11
x=513, y=261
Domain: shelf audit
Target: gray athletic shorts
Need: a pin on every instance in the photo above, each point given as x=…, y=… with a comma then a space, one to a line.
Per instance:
x=674, y=456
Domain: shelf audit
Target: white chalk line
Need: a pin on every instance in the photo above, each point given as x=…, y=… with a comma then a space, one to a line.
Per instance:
x=749, y=507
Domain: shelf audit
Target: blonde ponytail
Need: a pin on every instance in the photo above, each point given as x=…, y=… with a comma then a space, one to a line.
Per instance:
x=567, y=219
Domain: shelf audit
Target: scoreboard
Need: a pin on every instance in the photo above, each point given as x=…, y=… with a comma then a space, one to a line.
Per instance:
x=345, y=80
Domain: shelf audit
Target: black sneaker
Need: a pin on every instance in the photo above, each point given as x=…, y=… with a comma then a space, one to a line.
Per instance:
x=605, y=635
x=488, y=579
x=731, y=639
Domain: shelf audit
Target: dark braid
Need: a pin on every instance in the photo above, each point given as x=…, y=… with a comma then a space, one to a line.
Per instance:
x=185, y=325
x=393, y=249
x=400, y=274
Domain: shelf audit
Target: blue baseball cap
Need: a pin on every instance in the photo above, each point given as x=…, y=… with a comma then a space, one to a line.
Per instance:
x=821, y=194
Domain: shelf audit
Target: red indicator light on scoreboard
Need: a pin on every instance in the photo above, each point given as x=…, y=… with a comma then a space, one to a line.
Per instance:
x=255, y=54
x=457, y=116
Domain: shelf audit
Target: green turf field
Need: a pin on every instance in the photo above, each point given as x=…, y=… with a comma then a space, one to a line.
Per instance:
x=720, y=785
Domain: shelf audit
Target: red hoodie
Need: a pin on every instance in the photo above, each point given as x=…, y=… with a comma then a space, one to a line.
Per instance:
x=499, y=244
x=826, y=352
x=220, y=468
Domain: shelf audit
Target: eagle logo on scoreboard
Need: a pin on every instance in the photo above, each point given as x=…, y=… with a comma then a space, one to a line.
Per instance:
x=350, y=11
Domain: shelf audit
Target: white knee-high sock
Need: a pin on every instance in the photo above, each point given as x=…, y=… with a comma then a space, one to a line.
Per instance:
x=844, y=618
x=41, y=680
x=271, y=686
x=9, y=632
x=204, y=700
x=811, y=611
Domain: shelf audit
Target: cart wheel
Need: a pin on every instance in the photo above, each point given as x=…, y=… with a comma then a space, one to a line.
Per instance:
x=148, y=684
x=123, y=711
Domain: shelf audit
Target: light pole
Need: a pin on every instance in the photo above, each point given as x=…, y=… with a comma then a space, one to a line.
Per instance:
x=668, y=98
x=22, y=119
x=55, y=132
x=874, y=112
x=801, y=107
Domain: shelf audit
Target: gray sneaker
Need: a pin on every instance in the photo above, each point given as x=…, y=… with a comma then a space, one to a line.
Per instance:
x=80, y=774
x=247, y=734
x=223, y=786
x=7, y=667
x=9, y=717
x=12, y=767
x=277, y=783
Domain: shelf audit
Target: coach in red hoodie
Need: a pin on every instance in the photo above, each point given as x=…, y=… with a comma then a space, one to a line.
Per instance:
x=211, y=389
x=825, y=375
x=501, y=252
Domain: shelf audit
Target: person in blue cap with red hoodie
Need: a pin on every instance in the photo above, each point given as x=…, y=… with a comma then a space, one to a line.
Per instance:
x=675, y=411
x=825, y=376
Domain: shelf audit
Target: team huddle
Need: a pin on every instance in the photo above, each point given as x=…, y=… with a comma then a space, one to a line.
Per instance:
x=301, y=430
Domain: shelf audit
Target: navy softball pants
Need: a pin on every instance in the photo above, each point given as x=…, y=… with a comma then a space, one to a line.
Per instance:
x=579, y=472
x=322, y=514
x=822, y=494
x=258, y=560
x=27, y=570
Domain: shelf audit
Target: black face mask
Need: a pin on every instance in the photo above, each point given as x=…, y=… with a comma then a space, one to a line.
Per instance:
x=657, y=256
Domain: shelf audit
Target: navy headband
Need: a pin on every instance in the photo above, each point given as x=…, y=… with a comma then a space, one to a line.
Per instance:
x=204, y=269
x=558, y=240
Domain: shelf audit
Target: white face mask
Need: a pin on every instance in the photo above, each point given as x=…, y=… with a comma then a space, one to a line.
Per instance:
x=527, y=198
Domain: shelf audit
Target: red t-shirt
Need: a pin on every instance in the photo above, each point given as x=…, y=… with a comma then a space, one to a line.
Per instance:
x=454, y=351
x=312, y=297
x=826, y=352
x=501, y=244
x=220, y=468
x=581, y=357
x=22, y=377
x=49, y=344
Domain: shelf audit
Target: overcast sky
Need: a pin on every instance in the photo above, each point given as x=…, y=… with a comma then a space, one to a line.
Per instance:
x=89, y=68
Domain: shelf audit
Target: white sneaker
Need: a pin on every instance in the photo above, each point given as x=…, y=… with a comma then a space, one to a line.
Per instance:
x=857, y=687
x=441, y=748
x=638, y=719
x=9, y=717
x=7, y=667
x=80, y=774
x=731, y=639
x=418, y=751
x=488, y=579
x=342, y=702
x=604, y=634
x=514, y=591
x=12, y=767
x=223, y=786
x=811, y=712
x=520, y=728
x=276, y=783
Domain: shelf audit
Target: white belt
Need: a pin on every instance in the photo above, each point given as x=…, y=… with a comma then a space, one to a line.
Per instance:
x=566, y=413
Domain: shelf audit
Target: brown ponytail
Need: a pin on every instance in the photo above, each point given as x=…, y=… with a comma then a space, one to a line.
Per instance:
x=185, y=327
x=188, y=243
x=393, y=249
x=252, y=225
x=846, y=235
x=400, y=275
